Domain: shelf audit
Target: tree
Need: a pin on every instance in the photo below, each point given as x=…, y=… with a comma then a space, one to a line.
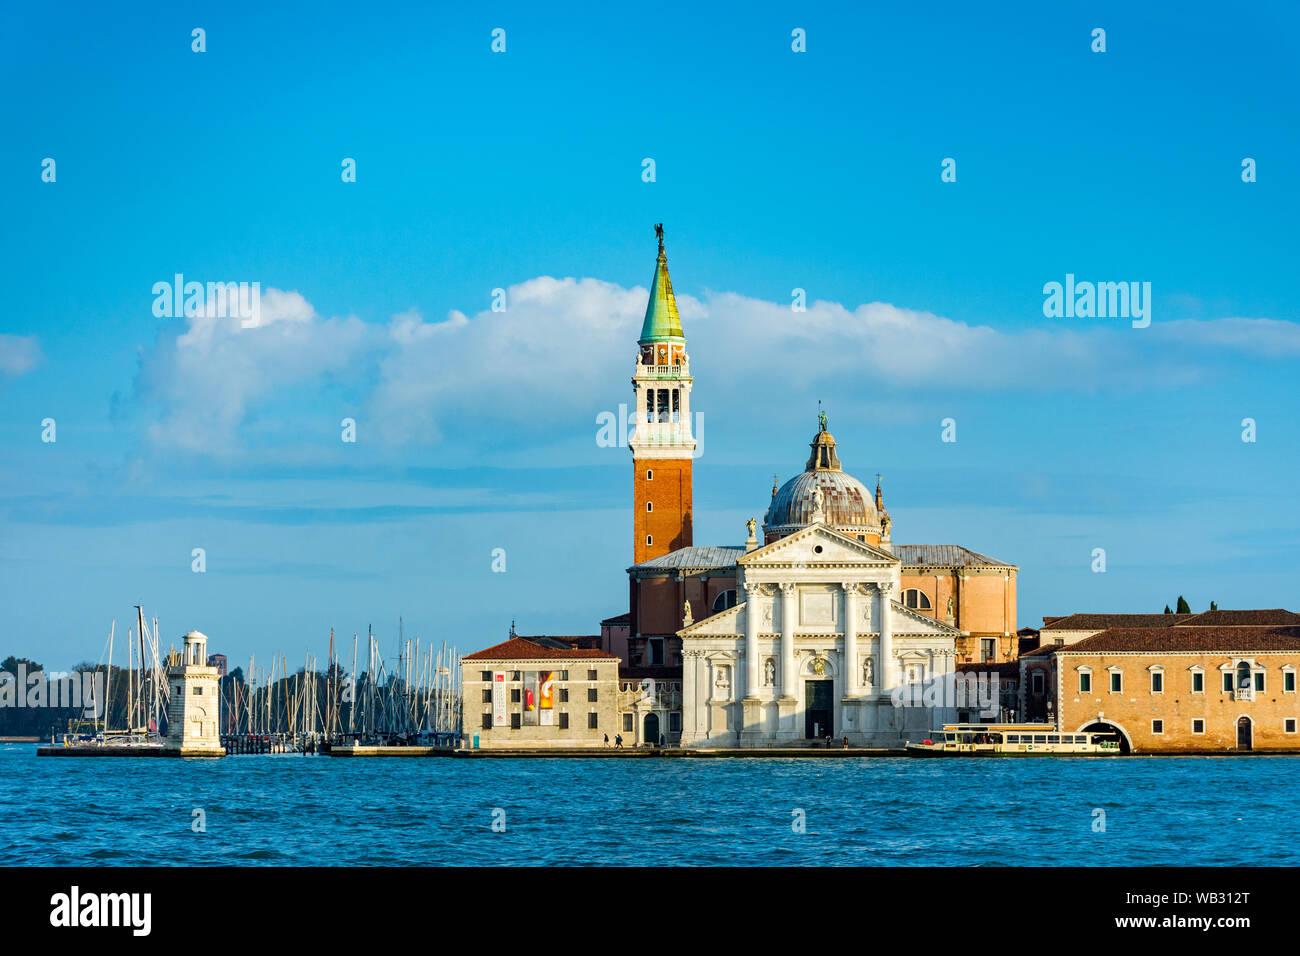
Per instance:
x=1183, y=606
x=1168, y=610
x=1214, y=605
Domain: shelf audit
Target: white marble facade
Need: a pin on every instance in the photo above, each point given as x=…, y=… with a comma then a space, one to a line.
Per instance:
x=816, y=606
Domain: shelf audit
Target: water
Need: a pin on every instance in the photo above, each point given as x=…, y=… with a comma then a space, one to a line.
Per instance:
x=294, y=810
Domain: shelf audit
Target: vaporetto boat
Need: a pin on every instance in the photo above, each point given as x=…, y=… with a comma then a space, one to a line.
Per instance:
x=1013, y=740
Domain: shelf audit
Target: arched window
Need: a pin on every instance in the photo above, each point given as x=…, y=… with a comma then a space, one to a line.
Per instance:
x=649, y=474
x=1243, y=675
x=649, y=506
x=724, y=600
x=915, y=597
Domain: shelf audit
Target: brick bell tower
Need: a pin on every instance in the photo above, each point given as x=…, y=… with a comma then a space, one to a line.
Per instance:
x=662, y=443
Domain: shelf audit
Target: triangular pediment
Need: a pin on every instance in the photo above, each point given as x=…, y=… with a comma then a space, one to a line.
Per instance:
x=906, y=622
x=801, y=548
x=728, y=622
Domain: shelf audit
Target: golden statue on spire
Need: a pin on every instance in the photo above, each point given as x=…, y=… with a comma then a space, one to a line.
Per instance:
x=659, y=234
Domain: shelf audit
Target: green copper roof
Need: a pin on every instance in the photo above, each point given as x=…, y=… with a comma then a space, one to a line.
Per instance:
x=661, y=320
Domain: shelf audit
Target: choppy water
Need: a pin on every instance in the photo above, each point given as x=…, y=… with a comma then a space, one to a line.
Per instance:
x=294, y=810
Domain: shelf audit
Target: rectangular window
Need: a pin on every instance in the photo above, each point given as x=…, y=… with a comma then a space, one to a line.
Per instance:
x=1290, y=725
x=591, y=674
x=564, y=695
x=564, y=675
x=1198, y=726
x=487, y=695
x=485, y=675
x=593, y=722
x=1288, y=682
x=1227, y=682
x=1157, y=682
x=1259, y=680
x=591, y=695
x=1116, y=682
x=1085, y=682
x=1040, y=738
x=514, y=720
x=675, y=722
x=514, y=675
x=514, y=695
x=627, y=723
x=1198, y=682
x=1157, y=726
x=656, y=652
x=987, y=651
x=1037, y=679
x=564, y=721
x=487, y=721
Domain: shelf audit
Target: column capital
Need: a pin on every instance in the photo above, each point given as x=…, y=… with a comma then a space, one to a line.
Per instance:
x=884, y=587
x=849, y=587
x=788, y=588
x=751, y=588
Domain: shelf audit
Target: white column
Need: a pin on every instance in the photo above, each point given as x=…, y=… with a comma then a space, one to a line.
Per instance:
x=751, y=640
x=787, y=640
x=887, y=679
x=850, y=640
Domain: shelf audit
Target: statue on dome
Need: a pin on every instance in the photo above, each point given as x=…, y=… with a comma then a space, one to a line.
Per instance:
x=818, y=500
x=821, y=418
x=752, y=525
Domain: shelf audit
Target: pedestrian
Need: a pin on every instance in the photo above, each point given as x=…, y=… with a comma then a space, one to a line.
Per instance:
x=607, y=740
x=846, y=741
x=618, y=741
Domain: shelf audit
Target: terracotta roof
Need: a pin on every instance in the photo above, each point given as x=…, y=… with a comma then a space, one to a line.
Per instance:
x=1274, y=617
x=1099, y=622
x=1044, y=650
x=521, y=649
x=1158, y=639
x=944, y=556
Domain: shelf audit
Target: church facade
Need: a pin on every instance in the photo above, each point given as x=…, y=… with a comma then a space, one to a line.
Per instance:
x=824, y=627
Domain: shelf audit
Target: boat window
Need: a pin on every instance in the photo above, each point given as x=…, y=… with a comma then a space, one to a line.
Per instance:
x=1040, y=738
x=1013, y=738
x=1053, y=739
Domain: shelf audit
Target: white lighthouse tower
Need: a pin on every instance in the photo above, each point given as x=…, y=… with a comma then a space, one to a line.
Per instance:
x=194, y=709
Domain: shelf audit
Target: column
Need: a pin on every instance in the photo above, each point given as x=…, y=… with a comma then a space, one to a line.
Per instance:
x=886, y=678
x=752, y=666
x=787, y=640
x=850, y=640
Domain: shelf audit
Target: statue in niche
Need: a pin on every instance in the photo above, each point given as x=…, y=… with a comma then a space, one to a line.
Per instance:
x=767, y=613
x=687, y=620
x=868, y=672
x=950, y=607
x=769, y=673
x=722, y=686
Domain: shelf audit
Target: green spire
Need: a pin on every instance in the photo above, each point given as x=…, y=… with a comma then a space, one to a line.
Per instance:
x=662, y=323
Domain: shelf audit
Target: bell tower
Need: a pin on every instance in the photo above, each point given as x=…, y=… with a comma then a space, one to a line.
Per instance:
x=662, y=444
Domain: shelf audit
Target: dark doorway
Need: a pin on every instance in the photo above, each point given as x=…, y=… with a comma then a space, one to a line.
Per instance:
x=1243, y=733
x=818, y=718
x=652, y=729
x=1100, y=727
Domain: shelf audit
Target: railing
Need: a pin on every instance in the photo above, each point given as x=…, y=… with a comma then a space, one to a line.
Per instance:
x=662, y=371
x=1244, y=693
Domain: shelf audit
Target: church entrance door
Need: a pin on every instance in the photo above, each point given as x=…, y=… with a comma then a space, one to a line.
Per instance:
x=652, y=729
x=818, y=718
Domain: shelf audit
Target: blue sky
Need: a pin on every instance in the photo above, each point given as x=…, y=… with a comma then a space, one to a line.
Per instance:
x=522, y=170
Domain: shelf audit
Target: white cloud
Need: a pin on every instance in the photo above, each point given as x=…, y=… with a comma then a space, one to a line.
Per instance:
x=566, y=346
x=19, y=354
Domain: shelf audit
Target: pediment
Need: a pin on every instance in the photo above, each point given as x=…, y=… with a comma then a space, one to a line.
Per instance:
x=801, y=549
x=906, y=622
x=724, y=623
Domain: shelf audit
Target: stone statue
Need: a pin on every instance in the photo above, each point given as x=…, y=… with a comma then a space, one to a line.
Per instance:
x=818, y=500
x=950, y=607
x=769, y=673
x=868, y=672
x=752, y=525
x=885, y=524
x=687, y=620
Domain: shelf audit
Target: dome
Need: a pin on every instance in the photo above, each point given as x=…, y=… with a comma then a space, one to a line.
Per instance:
x=847, y=504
